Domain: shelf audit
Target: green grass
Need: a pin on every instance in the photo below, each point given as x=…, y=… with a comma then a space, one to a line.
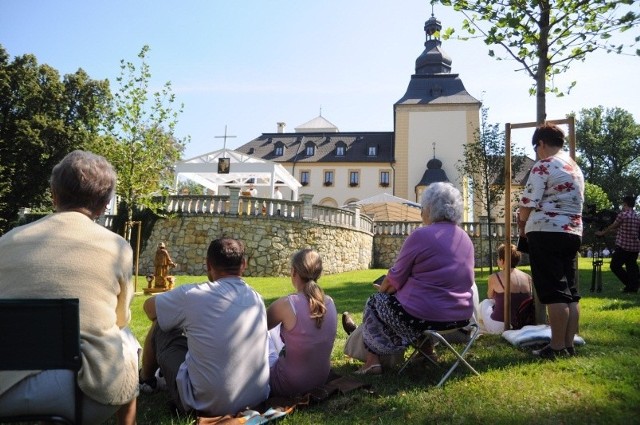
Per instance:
x=599, y=386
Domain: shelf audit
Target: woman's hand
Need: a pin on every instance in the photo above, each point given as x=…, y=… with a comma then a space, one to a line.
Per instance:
x=386, y=287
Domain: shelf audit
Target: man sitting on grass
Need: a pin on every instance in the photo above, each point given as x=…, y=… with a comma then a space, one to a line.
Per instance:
x=210, y=339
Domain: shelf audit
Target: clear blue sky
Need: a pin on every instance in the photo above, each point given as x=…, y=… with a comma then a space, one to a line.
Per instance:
x=249, y=64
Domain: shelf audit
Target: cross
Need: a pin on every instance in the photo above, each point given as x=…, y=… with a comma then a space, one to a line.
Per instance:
x=225, y=139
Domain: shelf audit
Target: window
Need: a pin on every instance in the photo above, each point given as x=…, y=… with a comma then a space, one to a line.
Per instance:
x=279, y=151
x=304, y=178
x=309, y=150
x=328, y=178
x=384, y=178
x=354, y=178
x=372, y=151
x=339, y=150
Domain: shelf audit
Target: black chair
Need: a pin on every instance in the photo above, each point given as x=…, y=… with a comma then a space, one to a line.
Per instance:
x=42, y=334
x=436, y=333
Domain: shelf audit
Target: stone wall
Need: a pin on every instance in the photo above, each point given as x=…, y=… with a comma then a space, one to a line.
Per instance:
x=270, y=243
x=271, y=240
x=385, y=250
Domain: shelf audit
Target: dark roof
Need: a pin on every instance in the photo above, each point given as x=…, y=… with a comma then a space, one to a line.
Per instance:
x=433, y=174
x=356, y=147
x=521, y=175
x=433, y=82
x=436, y=89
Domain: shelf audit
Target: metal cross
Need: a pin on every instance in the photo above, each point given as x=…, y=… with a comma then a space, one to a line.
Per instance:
x=225, y=139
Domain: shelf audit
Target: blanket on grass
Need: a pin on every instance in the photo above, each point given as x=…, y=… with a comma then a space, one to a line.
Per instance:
x=276, y=407
x=532, y=335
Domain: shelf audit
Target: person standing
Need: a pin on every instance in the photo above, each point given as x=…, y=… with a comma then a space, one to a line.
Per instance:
x=210, y=339
x=277, y=195
x=67, y=255
x=550, y=216
x=624, y=261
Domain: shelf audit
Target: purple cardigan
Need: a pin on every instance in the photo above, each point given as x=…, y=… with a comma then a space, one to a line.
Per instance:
x=434, y=273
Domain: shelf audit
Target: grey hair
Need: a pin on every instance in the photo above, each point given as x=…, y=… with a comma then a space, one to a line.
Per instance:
x=444, y=202
x=83, y=180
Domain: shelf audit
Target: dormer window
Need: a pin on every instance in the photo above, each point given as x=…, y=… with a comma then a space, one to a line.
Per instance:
x=340, y=150
x=278, y=149
x=310, y=149
x=372, y=151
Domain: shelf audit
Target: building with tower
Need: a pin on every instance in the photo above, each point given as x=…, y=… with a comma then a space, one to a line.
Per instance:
x=433, y=121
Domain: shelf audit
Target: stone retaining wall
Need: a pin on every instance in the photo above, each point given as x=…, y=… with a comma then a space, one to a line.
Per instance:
x=385, y=250
x=270, y=243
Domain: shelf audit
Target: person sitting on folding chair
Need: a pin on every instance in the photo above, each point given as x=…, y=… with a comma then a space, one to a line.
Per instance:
x=431, y=281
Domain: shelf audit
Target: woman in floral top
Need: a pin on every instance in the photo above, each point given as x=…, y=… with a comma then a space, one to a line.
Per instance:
x=550, y=216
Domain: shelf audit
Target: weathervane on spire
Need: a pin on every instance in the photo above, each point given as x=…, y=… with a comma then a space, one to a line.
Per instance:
x=434, y=150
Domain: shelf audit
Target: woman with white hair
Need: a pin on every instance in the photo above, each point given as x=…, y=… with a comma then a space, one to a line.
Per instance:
x=431, y=281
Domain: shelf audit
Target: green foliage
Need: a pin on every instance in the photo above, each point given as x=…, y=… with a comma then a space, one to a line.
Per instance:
x=141, y=144
x=188, y=187
x=599, y=386
x=483, y=166
x=544, y=37
x=42, y=118
x=608, y=150
x=594, y=195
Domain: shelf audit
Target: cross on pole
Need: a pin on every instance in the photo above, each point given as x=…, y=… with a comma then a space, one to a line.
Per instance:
x=225, y=140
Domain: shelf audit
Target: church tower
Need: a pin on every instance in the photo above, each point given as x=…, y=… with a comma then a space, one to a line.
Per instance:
x=436, y=110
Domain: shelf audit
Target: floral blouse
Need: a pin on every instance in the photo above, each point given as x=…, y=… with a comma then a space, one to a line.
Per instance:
x=555, y=191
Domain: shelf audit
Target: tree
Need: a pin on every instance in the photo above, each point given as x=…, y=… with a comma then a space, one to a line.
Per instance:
x=595, y=198
x=609, y=150
x=482, y=166
x=546, y=36
x=42, y=118
x=188, y=187
x=141, y=144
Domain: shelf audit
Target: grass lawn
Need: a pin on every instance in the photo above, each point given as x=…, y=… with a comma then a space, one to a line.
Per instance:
x=599, y=386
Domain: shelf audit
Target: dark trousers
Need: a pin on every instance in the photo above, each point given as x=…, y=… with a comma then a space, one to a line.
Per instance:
x=171, y=350
x=624, y=264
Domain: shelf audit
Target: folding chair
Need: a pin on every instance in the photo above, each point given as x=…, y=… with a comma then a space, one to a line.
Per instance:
x=42, y=334
x=437, y=332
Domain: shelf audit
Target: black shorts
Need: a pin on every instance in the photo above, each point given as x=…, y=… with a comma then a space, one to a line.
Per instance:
x=553, y=266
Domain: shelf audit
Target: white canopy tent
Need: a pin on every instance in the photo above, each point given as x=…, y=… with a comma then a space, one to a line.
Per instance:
x=242, y=171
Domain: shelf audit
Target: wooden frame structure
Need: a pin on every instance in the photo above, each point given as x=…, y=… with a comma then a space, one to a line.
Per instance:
x=570, y=122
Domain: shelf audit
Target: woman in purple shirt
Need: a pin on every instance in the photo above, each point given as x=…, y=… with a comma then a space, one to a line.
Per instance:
x=308, y=322
x=431, y=280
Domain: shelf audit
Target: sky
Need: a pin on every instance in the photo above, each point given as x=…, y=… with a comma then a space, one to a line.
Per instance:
x=246, y=65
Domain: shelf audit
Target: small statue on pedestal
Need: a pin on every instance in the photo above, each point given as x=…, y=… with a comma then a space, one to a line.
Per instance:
x=162, y=282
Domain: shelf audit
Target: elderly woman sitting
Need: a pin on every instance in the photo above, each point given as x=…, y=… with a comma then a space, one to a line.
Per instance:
x=431, y=280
